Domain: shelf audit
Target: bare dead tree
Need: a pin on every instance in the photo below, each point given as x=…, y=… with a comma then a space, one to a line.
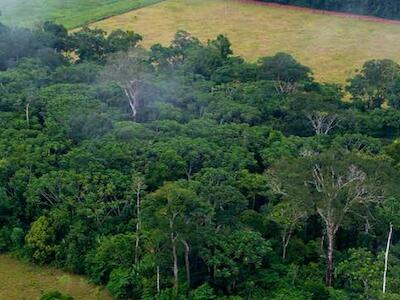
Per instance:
x=340, y=191
x=129, y=72
x=322, y=122
x=285, y=88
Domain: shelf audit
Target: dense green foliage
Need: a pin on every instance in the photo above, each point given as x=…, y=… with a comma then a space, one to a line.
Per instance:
x=389, y=9
x=184, y=172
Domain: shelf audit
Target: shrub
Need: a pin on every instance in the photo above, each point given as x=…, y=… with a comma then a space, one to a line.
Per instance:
x=125, y=284
x=40, y=241
x=112, y=252
x=55, y=295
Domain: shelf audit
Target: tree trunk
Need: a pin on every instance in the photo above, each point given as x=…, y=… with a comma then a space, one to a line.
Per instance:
x=187, y=262
x=27, y=113
x=329, y=259
x=189, y=172
x=387, y=257
x=175, y=267
x=131, y=94
x=158, y=279
x=138, y=224
x=285, y=243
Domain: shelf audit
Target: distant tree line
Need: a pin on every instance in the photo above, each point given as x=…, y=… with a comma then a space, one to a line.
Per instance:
x=389, y=9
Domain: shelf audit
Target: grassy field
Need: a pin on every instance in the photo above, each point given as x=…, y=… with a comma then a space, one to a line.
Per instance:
x=21, y=281
x=332, y=46
x=71, y=13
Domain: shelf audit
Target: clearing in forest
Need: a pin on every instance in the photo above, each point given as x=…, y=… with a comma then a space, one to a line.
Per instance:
x=25, y=281
x=332, y=45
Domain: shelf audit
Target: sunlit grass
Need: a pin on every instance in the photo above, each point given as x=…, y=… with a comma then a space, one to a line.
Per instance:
x=332, y=46
x=25, y=281
x=71, y=13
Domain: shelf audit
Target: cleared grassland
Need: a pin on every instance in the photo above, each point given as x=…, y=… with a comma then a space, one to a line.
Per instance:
x=70, y=13
x=22, y=281
x=333, y=46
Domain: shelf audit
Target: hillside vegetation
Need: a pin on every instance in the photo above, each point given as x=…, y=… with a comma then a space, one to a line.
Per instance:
x=184, y=172
x=332, y=46
x=71, y=13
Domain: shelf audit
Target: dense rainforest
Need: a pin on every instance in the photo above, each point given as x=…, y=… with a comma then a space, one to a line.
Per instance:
x=185, y=172
x=389, y=9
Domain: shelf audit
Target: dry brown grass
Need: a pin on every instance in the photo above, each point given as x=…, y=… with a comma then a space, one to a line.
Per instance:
x=22, y=281
x=332, y=46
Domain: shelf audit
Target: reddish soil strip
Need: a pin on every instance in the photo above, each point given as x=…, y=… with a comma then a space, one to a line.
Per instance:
x=324, y=12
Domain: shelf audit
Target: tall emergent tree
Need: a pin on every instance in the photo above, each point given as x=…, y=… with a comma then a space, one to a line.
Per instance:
x=336, y=184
